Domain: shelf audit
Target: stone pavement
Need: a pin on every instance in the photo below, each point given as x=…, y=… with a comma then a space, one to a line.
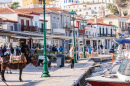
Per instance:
x=59, y=76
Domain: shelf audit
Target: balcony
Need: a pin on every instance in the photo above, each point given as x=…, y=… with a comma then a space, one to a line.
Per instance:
x=29, y=28
x=106, y=35
x=59, y=31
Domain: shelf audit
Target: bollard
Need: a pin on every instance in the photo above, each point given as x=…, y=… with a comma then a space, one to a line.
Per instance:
x=112, y=57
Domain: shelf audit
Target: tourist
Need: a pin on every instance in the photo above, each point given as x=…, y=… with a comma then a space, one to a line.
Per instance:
x=53, y=48
x=89, y=50
x=0, y=51
x=72, y=56
x=92, y=52
x=12, y=50
x=8, y=52
x=17, y=51
x=61, y=49
x=4, y=50
x=32, y=50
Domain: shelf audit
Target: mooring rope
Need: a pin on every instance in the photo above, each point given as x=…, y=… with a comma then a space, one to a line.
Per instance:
x=95, y=65
x=4, y=82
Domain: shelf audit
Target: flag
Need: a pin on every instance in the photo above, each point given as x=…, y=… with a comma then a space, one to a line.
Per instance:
x=91, y=25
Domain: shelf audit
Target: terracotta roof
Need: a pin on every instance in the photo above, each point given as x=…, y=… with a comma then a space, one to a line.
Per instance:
x=8, y=20
x=39, y=10
x=99, y=20
x=100, y=24
x=112, y=16
x=42, y=20
x=8, y=11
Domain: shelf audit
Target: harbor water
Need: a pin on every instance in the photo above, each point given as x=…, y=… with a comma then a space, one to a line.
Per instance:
x=97, y=71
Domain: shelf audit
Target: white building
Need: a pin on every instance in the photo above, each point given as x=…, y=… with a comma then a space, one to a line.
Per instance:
x=95, y=1
x=5, y=5
x=90, y=9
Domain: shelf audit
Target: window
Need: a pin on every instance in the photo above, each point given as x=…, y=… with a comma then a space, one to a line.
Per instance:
x=84, y=5
x=94, y=7
x=106, y=31
x=35, y=23
x=120, y=24
x=110, y=23
x=11, y=28
x=89, y=8
x=122, y=65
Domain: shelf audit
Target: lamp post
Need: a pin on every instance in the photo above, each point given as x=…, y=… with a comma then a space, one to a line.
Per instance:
x=83, y=23
x=115, y=30
x=45, y=63
x=73, y=15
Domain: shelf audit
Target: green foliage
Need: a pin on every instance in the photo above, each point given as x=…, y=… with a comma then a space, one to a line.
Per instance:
x=108, y=15
x=94, y=15
x=15, y=5
x=122, y=3
x=113, y=9
x=125, y=13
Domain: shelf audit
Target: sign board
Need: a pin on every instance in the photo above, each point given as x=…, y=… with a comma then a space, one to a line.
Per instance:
x=4, y=37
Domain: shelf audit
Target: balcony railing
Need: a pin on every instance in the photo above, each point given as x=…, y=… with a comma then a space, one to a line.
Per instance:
x=29, y=28
x=59, y=31
x=106, y=35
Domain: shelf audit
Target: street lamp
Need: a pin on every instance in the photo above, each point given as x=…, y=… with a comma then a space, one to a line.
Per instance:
x=73, y=15
x=45, y=63
x=115, y=30
x=83, y=23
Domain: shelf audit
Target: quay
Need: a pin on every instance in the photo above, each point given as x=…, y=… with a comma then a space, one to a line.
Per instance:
x=64, y=76
x=101, y=58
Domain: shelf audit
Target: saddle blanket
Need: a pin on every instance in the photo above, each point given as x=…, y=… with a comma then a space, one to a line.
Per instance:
x=18, y=59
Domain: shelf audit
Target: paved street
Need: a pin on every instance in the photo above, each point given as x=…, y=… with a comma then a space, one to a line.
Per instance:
x=59, y=76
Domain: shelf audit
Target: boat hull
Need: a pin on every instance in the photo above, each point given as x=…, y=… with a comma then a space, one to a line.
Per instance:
x=98, y=83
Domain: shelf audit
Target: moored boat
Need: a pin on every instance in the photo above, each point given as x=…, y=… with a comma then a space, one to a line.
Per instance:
x=119, y=74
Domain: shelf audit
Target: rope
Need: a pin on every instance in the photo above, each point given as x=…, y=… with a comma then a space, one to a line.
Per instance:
x=95, y=65
x=4, y=82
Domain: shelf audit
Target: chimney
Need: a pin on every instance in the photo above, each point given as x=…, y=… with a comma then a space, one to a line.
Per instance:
x=95, y=19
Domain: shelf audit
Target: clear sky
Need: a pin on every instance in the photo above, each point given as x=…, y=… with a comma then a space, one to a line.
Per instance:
x=5, y=0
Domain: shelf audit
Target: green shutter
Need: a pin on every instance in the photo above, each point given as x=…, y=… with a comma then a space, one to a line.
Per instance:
x=111, y=32
x=106, y=31
x=100, y=31
x=103, y=31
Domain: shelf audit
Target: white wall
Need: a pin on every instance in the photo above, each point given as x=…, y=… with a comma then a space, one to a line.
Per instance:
x=11, y=16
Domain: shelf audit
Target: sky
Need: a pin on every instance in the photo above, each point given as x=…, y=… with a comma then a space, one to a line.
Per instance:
x=5, y=0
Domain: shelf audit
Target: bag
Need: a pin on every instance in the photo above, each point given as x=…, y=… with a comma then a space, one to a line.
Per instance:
x=72, y=57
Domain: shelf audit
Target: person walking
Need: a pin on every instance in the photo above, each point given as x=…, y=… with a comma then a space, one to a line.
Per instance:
x=0, y=51
x=12, y=50
x=72, y=56
x=32, y=50
x=17, y=51
x=4, y=50
x=89, y=50
x=8, y=52
x=61, y=49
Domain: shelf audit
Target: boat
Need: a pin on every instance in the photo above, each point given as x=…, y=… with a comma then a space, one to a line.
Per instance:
x=119, y=74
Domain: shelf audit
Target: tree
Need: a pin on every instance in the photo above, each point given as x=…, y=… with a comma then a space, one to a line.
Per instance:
x=113, y=9
x=15, y=5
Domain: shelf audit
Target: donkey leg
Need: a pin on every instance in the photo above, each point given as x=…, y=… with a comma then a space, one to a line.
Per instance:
x=2, y=73
x=20, y=73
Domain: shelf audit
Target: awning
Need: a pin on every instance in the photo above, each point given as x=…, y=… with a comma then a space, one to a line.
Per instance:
x=122, y=41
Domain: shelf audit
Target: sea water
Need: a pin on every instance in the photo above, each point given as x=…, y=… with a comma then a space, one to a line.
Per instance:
x=97, y=71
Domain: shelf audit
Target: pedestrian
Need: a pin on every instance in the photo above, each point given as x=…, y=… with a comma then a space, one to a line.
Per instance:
x=92, y=52
x=12, y=50
x=53, y=48
x=0, y=51
x=17, y=51
x=4, y=50
x=61, y=49
x=89, y=50
x=72, y=56
x=32, y=50
x=8, y=52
